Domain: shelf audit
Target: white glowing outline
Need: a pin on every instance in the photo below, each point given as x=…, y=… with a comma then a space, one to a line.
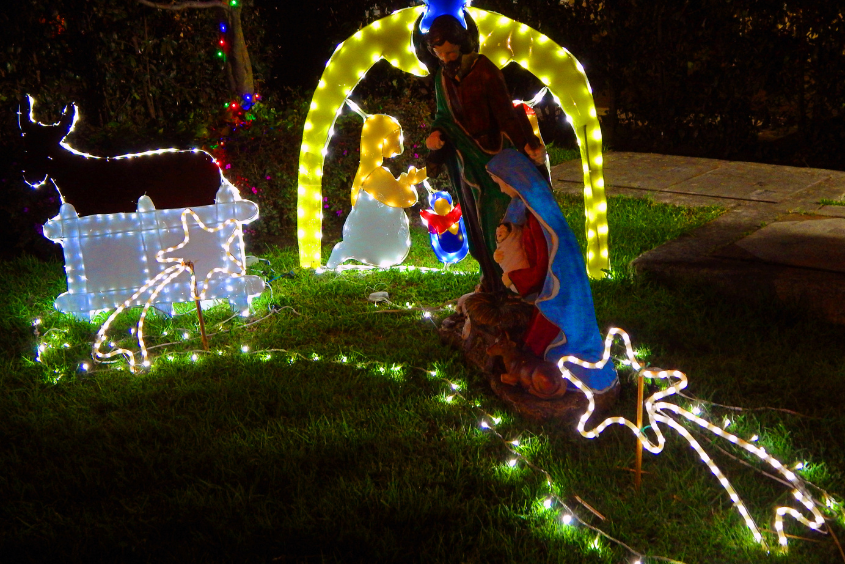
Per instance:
x=654, y=409
x=226, y=248
x=166, y=276
x=63, y=143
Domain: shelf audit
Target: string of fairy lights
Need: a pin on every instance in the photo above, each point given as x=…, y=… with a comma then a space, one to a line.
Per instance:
x=247, y=100
x=568, y=515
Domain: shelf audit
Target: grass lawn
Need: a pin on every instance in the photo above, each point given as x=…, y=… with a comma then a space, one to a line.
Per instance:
x=328, y=429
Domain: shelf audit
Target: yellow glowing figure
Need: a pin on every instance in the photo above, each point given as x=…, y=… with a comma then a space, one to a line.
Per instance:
x=377, y=231
x=381, y=138
x=502, y=40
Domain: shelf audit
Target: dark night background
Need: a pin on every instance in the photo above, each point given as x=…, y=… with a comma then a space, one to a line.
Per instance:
x=756, y=80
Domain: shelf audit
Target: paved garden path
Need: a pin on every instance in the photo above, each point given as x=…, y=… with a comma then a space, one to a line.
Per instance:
x=775, y=240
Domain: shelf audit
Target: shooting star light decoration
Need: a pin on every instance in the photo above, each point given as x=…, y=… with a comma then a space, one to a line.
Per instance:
x=200, y=254
x=658, y=412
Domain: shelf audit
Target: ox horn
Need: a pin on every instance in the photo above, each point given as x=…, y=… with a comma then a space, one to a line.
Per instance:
x=68, y=118
x=25, y=114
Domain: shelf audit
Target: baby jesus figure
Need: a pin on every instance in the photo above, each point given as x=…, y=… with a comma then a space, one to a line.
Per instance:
x=510, y=254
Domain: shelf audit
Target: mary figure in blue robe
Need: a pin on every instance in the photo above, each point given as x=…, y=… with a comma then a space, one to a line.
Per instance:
x=564, y=320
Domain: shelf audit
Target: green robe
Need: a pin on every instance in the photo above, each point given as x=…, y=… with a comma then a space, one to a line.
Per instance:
x=467, y=163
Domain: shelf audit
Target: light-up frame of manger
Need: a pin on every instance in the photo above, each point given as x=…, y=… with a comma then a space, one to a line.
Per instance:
x=502, y=40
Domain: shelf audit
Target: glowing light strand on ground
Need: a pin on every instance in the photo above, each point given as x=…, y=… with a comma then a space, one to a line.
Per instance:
x=655, y=410
x=489, y=422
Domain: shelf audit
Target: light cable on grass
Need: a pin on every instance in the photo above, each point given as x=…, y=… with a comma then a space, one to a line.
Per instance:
x=657, y=412
x=735, y=408
x=509, y=446
x=424, y=309
x=107, y=358
x=771, y=476
x=397, y=268
x=273, y=311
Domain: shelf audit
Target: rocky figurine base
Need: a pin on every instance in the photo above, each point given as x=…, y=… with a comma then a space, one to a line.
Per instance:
x=474, y=343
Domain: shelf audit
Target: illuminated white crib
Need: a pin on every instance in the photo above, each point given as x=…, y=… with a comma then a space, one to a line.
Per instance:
x=110, y=257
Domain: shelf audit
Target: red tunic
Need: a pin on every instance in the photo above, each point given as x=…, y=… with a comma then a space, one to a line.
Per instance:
x=483, y=107
x=530, y=280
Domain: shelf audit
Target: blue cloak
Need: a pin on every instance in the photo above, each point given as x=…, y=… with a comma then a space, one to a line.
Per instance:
x=566, y=299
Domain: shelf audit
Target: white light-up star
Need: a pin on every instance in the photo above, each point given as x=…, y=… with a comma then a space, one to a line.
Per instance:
x=204, y=254
x=199, y=257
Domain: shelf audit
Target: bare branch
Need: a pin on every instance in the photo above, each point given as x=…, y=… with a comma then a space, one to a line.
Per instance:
x=179, y=6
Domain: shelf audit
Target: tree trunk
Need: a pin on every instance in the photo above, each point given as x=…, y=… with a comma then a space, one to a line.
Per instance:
x=239, y=55
x=237, y=63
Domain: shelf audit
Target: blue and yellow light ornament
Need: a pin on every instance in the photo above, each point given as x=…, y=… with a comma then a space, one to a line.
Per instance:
x=446, y=228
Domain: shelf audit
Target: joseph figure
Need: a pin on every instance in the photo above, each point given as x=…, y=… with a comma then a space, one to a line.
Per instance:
x=475, y=120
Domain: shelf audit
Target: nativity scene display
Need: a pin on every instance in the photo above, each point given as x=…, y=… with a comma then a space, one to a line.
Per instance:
x=154, y=229
x=177, y=223
x=449, y=43
x=533, y=304
x=530, y=323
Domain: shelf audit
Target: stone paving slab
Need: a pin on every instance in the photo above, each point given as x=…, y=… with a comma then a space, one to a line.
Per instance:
x=817, y=243
x=640, y=170
x=776, y=240
x=710, y=178
x=746, y=181
x=831, y=211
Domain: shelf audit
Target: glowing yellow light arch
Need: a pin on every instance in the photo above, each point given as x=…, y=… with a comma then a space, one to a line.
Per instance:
x=502, y=40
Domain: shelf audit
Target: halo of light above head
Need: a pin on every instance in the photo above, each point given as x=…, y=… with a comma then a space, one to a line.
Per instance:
x=436, y=8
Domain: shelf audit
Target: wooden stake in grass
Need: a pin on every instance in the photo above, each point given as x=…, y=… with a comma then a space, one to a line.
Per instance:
x=639, y=467
x=190, y=265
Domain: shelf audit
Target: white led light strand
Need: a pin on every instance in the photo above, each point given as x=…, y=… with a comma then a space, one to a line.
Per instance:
x=159, y=282
x=65, y=145
x=656, y=409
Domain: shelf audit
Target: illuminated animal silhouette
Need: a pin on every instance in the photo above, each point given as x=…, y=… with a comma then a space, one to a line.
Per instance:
x=99, y=185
